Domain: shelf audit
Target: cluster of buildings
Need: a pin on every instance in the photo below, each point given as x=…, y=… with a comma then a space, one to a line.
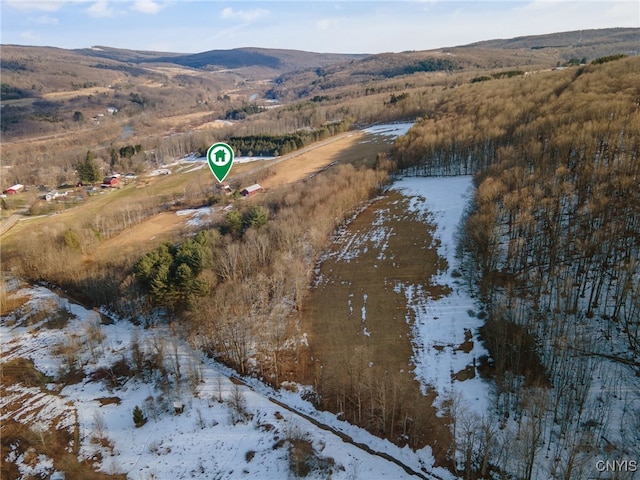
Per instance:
x=249, y=191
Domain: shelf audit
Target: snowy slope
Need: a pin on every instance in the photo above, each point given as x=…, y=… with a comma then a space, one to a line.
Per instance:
x=226, y=431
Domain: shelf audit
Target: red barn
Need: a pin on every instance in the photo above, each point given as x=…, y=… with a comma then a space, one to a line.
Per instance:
x=15, y=189
x=252, y=190
x=109, y=182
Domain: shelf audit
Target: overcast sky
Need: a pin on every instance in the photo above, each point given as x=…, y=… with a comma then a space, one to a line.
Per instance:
x=348, y=26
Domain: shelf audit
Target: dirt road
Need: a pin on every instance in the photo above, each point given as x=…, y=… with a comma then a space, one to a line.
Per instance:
x=298, y=165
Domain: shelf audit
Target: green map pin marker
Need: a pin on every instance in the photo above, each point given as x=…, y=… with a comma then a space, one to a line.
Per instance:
x=220, y=159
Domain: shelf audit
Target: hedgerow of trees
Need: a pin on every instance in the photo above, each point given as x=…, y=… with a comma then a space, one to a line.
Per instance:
x=283, y=144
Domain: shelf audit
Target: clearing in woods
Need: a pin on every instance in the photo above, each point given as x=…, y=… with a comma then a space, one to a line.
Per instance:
x=358, y=317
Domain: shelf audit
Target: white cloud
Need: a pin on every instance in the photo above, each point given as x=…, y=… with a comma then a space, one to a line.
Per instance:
x=101, y=8
x=146, y=6
x=43, y=5
x=29, y=37
x=44, y=20
x=244, y=15
x=327, y=23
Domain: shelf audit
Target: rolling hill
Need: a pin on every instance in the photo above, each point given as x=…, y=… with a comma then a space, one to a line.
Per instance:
x=48, y=91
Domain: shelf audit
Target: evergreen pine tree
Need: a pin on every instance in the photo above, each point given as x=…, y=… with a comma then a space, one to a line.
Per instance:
x=138, y=417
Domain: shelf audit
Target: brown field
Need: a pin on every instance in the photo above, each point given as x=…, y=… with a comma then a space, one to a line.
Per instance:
x=168, y=226
x=299, y=165
x=163, y=227
x=359, y=322
x=384, y=247
x=64, y=95
x=76, y=93
x=186, y=119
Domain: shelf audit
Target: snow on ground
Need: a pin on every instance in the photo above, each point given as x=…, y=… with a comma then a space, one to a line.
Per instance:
x=444, y=327
x=236, y=160
x=193, y=162
x=197, y=216
x=159, y=171
x=389, y=129
x=252, y=159
x=225, y=431
x=354, y=245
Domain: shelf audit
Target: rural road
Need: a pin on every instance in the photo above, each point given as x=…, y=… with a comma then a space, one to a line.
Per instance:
x=8, y=223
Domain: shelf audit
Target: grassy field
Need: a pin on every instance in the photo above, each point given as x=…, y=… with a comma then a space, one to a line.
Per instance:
x=357, y=301
x=186, y=187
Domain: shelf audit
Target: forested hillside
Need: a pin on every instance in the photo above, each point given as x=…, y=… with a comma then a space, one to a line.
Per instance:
x=552, y=246
x=549, y=246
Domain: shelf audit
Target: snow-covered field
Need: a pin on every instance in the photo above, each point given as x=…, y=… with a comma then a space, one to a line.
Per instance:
x=389, y=129
x=441, y=326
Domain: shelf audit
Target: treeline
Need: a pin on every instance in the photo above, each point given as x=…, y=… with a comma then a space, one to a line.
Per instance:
x=243, y=112
x=551, y=243
x=274, y=145
x=9, y=92
x=426, y=65
x=498, y=75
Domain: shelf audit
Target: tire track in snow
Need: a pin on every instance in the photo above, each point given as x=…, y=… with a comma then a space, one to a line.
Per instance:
x=343, y=436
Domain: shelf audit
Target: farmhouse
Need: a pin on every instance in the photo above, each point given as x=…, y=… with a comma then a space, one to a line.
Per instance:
x=53, y=195
x=109, y=182
x=15, y=189
x=252, y=190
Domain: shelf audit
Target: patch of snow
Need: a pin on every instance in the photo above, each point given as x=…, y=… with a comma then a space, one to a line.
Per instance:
x=389, y=129
x=159, y=171
x=364, y=307
x=198, y=216
x=439, y=325
x=236, y=160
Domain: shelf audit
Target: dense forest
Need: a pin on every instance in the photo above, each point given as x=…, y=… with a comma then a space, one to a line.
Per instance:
x=551, y=244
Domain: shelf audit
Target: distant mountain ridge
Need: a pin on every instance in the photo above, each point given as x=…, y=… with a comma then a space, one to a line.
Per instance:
x=282, y=64
x=281, y=60
x=620, y=40
x=40, y=78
